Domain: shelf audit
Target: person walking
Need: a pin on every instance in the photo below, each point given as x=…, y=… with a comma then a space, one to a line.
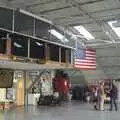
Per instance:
x=113, y=97
x=95, y=98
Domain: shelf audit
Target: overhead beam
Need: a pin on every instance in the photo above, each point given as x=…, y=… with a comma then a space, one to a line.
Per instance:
x=39, y=3
x=110, y=66
x=105, y=10
x=105, y=47
x=3, y=2
x=71, y=23
x=10, y=0
x=54, y=9
x=111, y=56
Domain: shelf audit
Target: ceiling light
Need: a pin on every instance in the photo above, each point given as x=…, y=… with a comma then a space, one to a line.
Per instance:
x=17, y=45
x=115, y=29
x=116, y=24
x=58, y=35
x=84, y=32
x=39, y=44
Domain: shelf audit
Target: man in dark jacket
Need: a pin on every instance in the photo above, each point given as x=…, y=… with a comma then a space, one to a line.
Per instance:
x=113, y=97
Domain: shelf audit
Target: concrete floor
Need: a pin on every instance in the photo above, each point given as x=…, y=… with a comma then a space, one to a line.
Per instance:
x=71, y=111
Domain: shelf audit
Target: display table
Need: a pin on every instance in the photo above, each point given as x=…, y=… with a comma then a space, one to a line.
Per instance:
x=2, y=105
x=33, y=99
x=6, y=104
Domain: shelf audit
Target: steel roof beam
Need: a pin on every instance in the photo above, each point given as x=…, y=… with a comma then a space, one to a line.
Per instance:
x=54, y=9
x=39, y=3
x=105, y=10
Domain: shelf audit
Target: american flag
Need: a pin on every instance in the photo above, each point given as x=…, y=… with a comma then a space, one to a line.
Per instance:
x=85, y=59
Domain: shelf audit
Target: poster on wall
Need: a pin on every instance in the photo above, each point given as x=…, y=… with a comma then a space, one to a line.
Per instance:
x=10, y=93
x=6, y=78
x=2, y=94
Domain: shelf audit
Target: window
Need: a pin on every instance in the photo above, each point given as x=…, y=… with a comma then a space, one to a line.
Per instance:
x=63, y=54
x=20, y=46
x=6, y=16
x=69, y=55
x=3, y=42
x=37, y=49
x=2, y=45
x=42, y=29
x=53, y=52
x=115, y=25
x=24, y=23
x=84, y=32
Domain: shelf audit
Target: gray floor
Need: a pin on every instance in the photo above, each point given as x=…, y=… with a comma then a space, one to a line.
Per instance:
x=71, y=111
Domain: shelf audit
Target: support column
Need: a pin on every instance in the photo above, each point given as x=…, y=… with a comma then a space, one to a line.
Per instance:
x=72, y=56
x=59, y=54
x=28, y=48
x=25, y=79
x=46, y=52
x=67, y=56
x=8, y=45
x=25, y=91
x=52, y=74
x=20, y=90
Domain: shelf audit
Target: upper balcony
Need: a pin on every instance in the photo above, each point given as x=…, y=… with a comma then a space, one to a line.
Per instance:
x=26, y=38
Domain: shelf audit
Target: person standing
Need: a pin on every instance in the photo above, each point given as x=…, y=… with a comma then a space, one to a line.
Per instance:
x=113, y=97
x=101, y=95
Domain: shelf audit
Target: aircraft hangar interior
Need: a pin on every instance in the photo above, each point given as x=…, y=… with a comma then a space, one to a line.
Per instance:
x=59, y=59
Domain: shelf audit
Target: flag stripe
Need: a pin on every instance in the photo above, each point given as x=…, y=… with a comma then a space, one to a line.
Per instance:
x=90, y=55
x=89, y=52
x=78, y=66
x=86, y=61
x=85, y=68
x=85, y=64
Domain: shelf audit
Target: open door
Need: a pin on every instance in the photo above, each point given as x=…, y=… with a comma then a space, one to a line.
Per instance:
x=20, y=93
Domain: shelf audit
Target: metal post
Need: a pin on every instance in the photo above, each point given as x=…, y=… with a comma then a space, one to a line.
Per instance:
x=24, y=88
x=66, y=56
x=47, y=55
x=13, y=21
x=8, y=44
x=34, y=31
x=25, y=91
x=28, y=48
x=59, y=54
x=71, y=56
x=8, y=36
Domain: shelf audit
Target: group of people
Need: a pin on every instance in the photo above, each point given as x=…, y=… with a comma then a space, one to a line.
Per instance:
x=100, y=94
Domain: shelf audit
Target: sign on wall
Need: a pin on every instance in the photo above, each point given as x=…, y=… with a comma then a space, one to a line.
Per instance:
x=6, y=78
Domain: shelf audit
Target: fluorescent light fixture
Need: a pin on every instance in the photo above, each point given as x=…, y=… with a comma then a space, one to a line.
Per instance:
x=39, y=44
x=115, y=29
x=84, y=32
x=17, y=45
x=58, y=35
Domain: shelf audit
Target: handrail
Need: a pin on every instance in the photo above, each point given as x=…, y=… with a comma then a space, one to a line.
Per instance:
x=36, y=79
